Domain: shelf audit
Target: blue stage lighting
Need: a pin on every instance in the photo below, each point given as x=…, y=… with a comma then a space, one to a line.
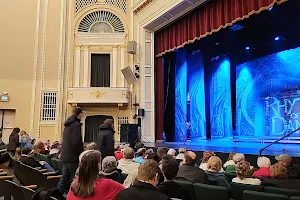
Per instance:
x=270, y=8
x=247, y=48
x=277, y=38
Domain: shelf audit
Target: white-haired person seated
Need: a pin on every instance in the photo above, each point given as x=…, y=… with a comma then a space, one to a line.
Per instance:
x=229, y=160
x=172, y=152
x=180, y=155
x=264, y=164
x=110, y=171
x=243, y=172
x=238, y=157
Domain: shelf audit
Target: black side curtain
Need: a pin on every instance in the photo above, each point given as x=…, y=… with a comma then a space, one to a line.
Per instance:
x=92, y=124
x=100, y=72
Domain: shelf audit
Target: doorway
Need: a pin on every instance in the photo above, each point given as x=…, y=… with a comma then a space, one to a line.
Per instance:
x=92, y=124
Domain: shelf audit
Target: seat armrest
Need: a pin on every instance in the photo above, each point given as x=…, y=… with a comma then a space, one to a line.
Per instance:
x=42, y=170
x=3, y=173
x=49, y=173
x=6, y=177
x=54, y=177
x=31, y=186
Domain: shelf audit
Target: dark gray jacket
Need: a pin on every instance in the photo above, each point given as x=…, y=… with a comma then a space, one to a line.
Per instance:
x=105, y=141
x=192, y=174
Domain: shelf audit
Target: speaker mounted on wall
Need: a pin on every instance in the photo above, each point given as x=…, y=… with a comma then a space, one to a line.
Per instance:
x=129, y=75
x=131, y=47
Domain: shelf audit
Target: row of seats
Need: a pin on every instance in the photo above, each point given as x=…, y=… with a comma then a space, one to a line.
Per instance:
x=198, y=191
x=55, y=163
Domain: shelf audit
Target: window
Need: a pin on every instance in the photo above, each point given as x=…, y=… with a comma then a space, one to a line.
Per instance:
x=100, y=70
x=48, y=106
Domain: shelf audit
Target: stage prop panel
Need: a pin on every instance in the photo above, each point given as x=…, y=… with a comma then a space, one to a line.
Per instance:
x=196, y=96
x=180, y=95
x=220, y=100
x=268, y=95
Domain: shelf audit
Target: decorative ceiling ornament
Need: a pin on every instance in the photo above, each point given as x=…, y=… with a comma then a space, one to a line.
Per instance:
x=142, y=6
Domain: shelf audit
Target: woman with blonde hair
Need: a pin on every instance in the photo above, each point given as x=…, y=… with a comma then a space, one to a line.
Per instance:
x=206, y=156
x=88, y=185
x=243, y=171
x=214, y=165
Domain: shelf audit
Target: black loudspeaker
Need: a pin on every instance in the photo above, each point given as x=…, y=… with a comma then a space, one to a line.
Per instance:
x=129, y=133
x=141, y=112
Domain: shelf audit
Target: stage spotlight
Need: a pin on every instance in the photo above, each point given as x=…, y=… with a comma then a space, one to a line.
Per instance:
x=247, y=48
x=270, y=8
x=277, y=38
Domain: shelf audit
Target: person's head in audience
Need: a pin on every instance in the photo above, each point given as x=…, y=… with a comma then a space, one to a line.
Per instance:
x=171, y=152
x=278, y=171
x=109, y=164
x=141, y=152
x=89, y=164
x=128, y=153
x=33, y=142
x=153, y=156
x=161, y=152
x=38, y=147
x=78, y=113
x=189, y=158
x=22, y=133
x=91, y=146
x=206, y=156
x=214, y=163
x=263, y=162
x=109, y=122
x=230, y=157
x=148, y=172
x=284, y=159
x=16, y=130
x=169, y=168
x=25, y=151
x=148, y=152
x=243, y=169
x=181, y=150
x=238, y=157
x=17, y=153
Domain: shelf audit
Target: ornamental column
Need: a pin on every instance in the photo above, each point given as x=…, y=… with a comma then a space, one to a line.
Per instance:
x=85, y=66
x=77, y=66
x=122, y=65
x=114, y=66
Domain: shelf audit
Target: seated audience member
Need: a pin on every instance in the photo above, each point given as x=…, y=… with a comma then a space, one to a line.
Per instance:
x=243, y=171
x=140, y=155
x=148, y=152
x=161, y=152
x=153, y=156
x=127, y=163
x=205, y=158
x=189, y=172
x=238, y=157
x=17, y=155
x=91, y=146
x=144, y=188
x=30, y=161
x=264, y=164
x=229, y=160
x=39, y=147
x=54, y=150
x=89, y=185
x=171, y=152
x=119, y=152
x=214, y=164
x=130, y=179
x=110, y=171
x=293, y=170
x=180, y=155
x=169, y=187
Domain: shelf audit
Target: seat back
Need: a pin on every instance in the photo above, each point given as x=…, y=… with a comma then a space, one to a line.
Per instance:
x=230, y=176
x=56, y=164
x=237, y=190
x=5, y=190
x=16, y=192
x=45, y=158
x=254, y=195
x=295, y=198
x=209, y=192
x=27, y=176
x=27, y=192
x=188, y=186
x=287, y=192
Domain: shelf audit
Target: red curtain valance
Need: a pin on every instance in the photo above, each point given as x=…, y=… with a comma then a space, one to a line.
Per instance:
x=207, y=19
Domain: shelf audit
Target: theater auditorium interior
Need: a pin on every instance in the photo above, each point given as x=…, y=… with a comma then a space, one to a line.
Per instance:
x=150, y=99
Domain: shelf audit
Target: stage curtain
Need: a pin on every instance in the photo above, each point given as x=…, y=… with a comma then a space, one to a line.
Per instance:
x=159, y=98
x=207, y=19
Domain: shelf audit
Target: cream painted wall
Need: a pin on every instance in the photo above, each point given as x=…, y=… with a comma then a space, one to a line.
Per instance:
x=17, y=39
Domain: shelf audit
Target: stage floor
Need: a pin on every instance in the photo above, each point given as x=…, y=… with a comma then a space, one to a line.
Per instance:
x=228, y=145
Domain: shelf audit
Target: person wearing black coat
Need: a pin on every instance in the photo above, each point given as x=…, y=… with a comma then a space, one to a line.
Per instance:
x=13, y=141
x=105, y=139
x=72, y=147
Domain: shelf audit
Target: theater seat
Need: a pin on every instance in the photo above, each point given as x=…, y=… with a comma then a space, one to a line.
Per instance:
x=237, y=190
x=295, y=198
x=211, y=192
x=188, y=186
x=287, y=192
x=253, y=195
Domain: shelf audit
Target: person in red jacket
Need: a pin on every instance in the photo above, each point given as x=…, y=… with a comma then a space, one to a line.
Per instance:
x=88, y=185
x=264, y=164
x=118, y=151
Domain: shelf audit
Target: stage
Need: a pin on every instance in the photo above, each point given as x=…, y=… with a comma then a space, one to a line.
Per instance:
x=228, y=145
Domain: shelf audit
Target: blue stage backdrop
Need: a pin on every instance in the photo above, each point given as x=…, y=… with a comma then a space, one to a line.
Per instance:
x=197, y=95
x=268, y=95
x=220, y=100
x=180, y=95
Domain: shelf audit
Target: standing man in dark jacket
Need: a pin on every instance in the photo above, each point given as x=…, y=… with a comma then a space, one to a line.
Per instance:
x=13, y=141
x=72, y=147
x=105, y=139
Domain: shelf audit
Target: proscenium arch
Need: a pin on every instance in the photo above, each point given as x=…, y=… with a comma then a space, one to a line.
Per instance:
x=90, y=9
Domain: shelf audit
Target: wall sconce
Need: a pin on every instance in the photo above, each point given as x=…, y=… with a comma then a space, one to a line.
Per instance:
x=4, y=97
